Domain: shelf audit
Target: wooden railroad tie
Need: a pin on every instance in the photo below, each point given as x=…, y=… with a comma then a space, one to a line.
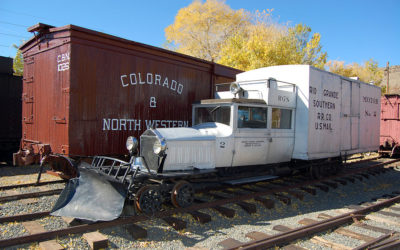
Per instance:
x=298, y=195
x=309, y=190
x=382, y=220
x=397, y=209
x=267, y=203
x=282, y=228
x=29, y=201
x=230, y=243
x=391, y=214
x=286, y=200
x=200, y=217
x=34, y=227
x=341, y=231
x=136, y=231
x=246, y=206
x=96, y=240
x=176, y=223
x=322, y=242
x=227, y=212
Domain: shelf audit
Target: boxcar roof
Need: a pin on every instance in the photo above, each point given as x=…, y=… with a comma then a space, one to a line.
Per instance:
x=43, y=30
x=231, y=100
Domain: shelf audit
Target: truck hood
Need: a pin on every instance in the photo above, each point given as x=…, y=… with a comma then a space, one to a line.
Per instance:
x=201, y=132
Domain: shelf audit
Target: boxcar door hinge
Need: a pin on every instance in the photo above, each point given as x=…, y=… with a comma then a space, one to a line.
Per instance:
x=28, y=79
x=28, y=120
x=60, y=120
x=65, y=90
x=27, y=99
x=30, y=60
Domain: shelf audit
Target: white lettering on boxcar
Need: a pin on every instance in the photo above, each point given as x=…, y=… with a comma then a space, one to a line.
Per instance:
x=153, y=103
x=136, y=78
x=324, y=108
x=116, y=124
x=63, y=62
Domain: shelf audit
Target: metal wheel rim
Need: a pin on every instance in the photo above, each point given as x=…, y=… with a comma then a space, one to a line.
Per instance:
x=182, y=194
x=148, y=200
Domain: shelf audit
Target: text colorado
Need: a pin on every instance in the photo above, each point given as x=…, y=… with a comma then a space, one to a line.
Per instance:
x=151, y=79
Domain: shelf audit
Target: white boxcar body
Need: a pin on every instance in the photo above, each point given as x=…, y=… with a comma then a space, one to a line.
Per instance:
x=335, y=115
x=280, y=113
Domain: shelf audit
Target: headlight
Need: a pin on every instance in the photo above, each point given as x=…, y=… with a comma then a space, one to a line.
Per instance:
x=131, y=144
x=234, y=88
x=159, y=146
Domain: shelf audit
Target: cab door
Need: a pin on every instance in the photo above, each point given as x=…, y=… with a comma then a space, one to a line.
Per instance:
x=251, y=135
x=282, y=135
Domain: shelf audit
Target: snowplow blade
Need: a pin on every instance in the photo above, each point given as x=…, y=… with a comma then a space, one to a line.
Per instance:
x=92, y=197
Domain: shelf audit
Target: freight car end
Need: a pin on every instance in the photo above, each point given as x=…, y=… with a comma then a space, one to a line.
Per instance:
x=390, y=125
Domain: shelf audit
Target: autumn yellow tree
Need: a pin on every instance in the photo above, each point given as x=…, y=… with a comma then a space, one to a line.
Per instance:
x=200, y=29
x=240, y=39
x=266, y=43
x=368, y=72
x=18, y=62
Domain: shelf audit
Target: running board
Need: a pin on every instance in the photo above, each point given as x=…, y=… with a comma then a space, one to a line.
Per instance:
x=251, y=179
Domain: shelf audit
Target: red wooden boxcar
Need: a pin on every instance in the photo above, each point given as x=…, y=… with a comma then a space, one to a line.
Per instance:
x=85, y=92
x=390, y=125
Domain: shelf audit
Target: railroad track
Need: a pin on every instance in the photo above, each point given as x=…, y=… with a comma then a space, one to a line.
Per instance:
x=389, y=240
x=17, y=196
x=297, y=188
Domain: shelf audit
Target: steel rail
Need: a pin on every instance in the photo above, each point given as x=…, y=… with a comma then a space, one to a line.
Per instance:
x=371, y=243
x=23, y=217
x=305, y=231
x=30, y=195
x=33, y=184
x=162, y=214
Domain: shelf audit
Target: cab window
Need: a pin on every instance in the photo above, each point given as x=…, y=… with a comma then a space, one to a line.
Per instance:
x=252, y=117
x=281, y=118
x=221, y=114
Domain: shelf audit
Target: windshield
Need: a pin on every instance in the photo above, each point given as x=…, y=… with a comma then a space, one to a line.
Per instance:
x=221, y=114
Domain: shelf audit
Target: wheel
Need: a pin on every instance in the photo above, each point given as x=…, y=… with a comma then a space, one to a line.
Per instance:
x=148, y=200
x=395, y=151
x=182, y=194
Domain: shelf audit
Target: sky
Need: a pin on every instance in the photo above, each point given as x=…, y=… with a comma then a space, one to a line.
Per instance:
x=352, y=31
